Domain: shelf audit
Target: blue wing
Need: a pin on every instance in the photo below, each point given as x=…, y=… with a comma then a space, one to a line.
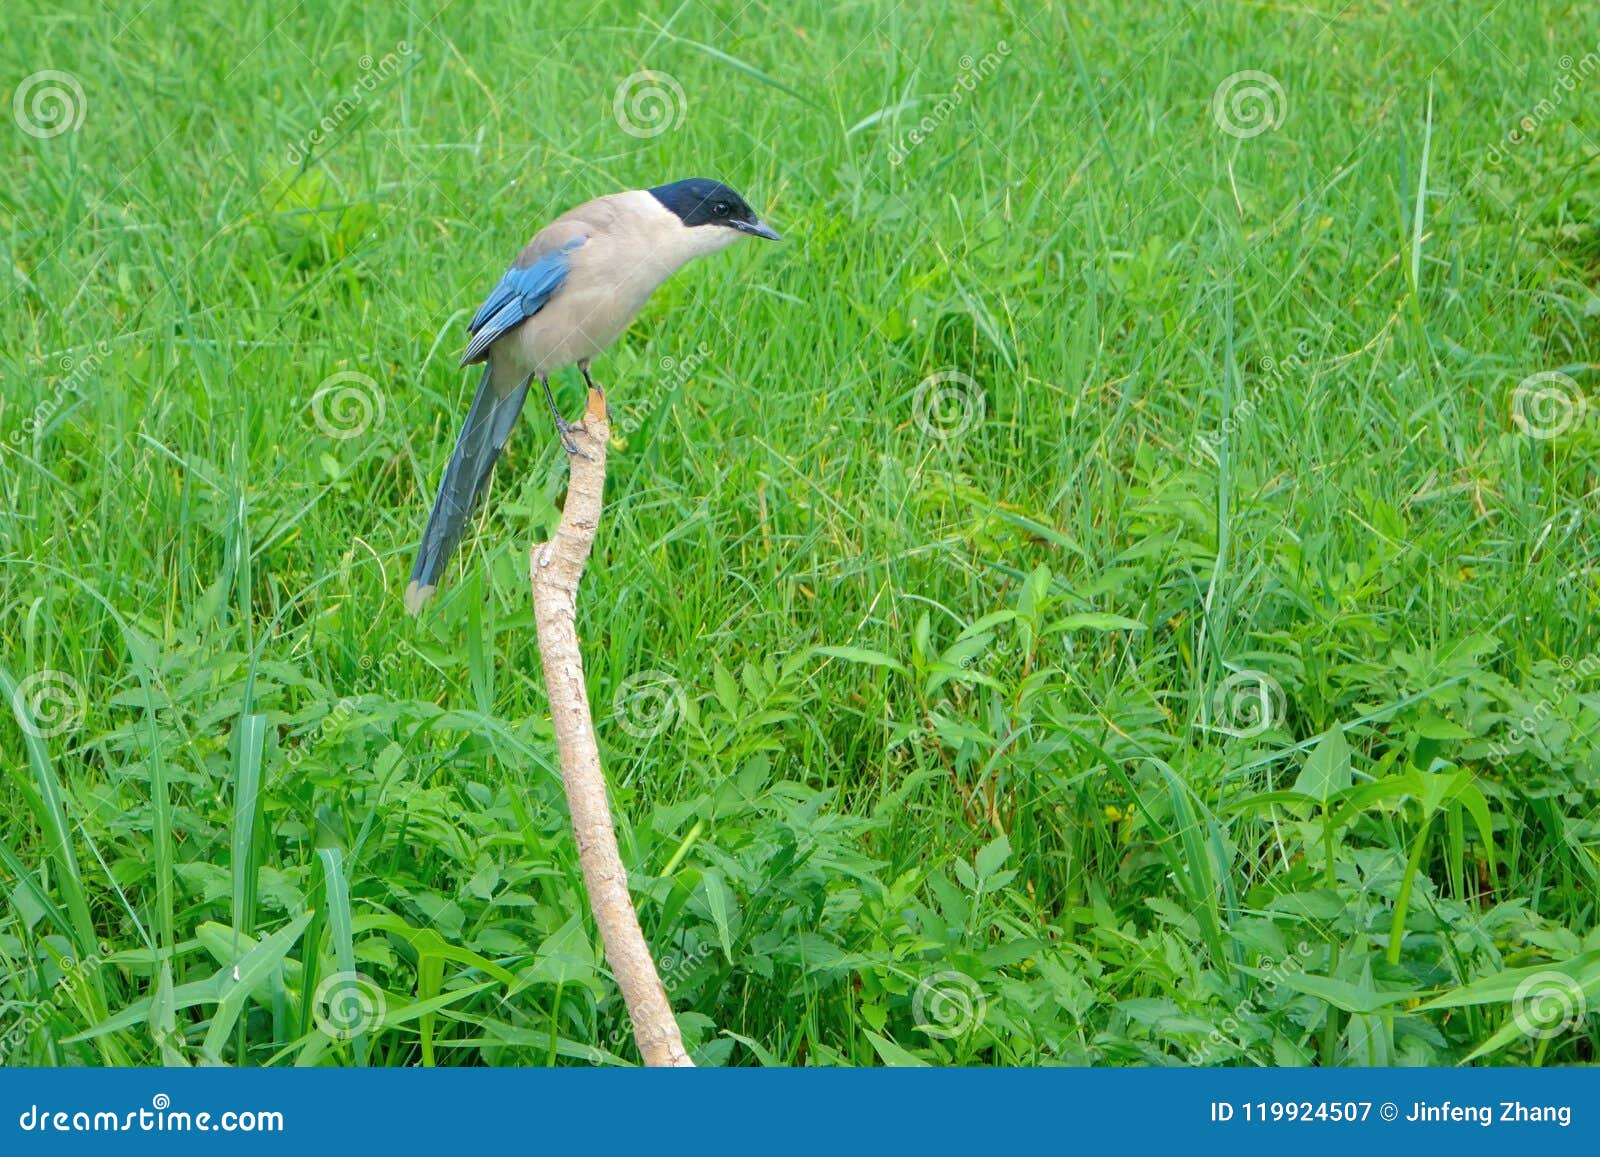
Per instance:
x=520, y=294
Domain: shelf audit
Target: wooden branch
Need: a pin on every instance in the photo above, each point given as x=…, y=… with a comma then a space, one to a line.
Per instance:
x=556, y=568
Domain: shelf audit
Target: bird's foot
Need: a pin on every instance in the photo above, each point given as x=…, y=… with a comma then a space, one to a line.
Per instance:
x=565, y=429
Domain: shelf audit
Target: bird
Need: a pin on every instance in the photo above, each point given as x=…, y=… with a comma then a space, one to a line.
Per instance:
x=576, y=286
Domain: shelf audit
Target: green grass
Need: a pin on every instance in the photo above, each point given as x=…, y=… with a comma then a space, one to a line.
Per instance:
x=1220, y=690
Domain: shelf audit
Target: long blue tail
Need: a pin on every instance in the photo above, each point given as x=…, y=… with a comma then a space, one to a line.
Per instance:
x=494, y=411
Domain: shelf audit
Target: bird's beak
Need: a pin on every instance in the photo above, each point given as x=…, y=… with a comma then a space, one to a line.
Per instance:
x=757, y=229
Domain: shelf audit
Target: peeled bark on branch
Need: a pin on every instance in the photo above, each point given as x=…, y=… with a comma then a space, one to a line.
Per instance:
x=556, y=568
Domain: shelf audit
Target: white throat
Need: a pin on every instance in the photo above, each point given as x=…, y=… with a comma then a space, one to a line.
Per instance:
x=670, y=243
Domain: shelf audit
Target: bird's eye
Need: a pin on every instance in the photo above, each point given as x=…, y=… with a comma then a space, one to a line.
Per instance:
x=721, y=209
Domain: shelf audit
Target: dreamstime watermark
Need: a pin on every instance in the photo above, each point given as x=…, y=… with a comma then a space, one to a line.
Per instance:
x=48, y=703
x=1525, y=729
x=1548, y=1004
x=1573, y=72
x=648, y=703
x=1248, y=703
x=347, y=404
x=1274, y=972
x=373, y=73
x=73, y=974
x=973, y=72
x=344, y=710
x=159, y=1118
x=948, y=1004
x=347, y=1004
x=1271, y=374
x=674, y=970
x=77, y=371
x=675, y=374
x=1249, y=103
x=648, y=103
x=49, y=103
x=1548, y=404
x=948, y=404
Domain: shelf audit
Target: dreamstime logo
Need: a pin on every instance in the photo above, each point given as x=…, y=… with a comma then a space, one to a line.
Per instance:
x=48, y=104
x=347, y=1004
x=47, y=703
x=675, y=374
x=674, y=972
x=679, y=372
x=1273, y=973
x=373, y=73
x=1271, y=373
x=1547, y=405
x=948, y=404
x=77, y=373
x=347, y=404
x=73, y=974
x=1526, y=729
x=648, y=703
x=948, y=1004
x=648, y=103
x=972, y=73
x=1247, y=703
x=344, y=710
x=155, y=1119
x=1249, y=103
x=1548, y=1004
x=1573, y=73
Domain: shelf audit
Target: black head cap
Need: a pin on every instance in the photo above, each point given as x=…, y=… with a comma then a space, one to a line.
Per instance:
x=700, y=201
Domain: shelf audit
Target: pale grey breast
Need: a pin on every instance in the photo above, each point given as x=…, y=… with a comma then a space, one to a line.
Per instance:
x=633, y=245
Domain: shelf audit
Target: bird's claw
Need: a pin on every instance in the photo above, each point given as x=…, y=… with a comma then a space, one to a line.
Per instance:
x=565, y=429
